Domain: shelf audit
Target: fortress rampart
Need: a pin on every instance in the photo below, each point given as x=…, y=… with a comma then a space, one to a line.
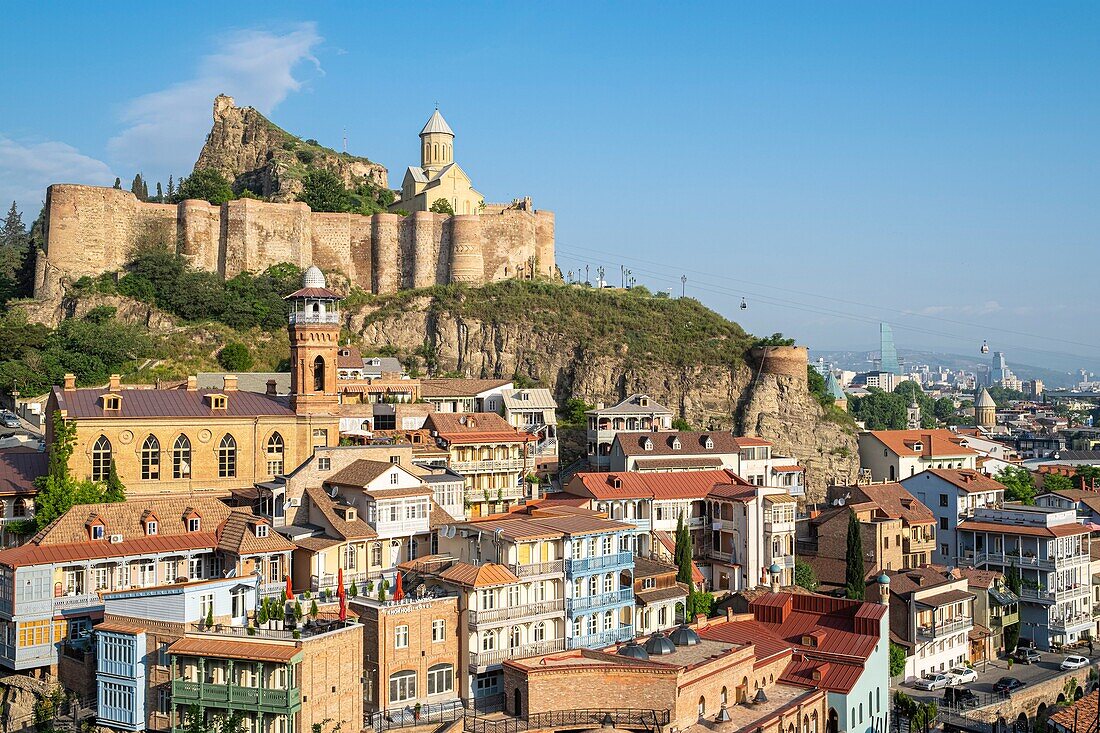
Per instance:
x=91, y=230
x=785, y=361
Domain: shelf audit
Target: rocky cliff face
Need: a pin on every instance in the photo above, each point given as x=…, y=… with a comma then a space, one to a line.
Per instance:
x=251, y=151
x=708, y=396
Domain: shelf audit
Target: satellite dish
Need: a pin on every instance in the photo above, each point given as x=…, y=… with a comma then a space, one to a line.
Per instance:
x=333, y=491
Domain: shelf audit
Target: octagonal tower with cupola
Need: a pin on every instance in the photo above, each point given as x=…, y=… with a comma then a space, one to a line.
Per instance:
x=314, y=341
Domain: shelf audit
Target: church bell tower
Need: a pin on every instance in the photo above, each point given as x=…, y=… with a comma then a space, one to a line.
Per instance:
x=314, y=342
x=436, y=144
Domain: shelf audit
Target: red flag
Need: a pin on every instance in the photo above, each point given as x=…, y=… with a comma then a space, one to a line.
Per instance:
x=289, y=589
x=341, y=595
x=398, y=594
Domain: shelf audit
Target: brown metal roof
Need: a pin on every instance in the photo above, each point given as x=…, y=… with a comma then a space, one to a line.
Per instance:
x=355, y=529
x=459, y=387
x=663, y=443
x=164, y=403
x=478, y=576
x=360, y=472
x=1061, y=530
x=655, y=595
x=313, y=293
x=230, y=649
x=474, y=427
x=633, y=485
x=19, y=467
x=385, y=493
x=119, y=628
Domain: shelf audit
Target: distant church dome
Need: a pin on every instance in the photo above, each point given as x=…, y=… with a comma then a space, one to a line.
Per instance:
x=985, y=400
x=436, y=124
x=314, y=278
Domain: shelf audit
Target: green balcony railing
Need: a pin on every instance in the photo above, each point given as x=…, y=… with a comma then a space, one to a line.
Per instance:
x=209, y=694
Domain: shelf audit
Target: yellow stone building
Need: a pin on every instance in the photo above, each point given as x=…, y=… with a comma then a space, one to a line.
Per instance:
x=164, y=441
x=438, y=176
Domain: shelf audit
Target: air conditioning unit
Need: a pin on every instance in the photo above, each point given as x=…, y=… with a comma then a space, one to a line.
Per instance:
x=294, y=501
x=115, y=539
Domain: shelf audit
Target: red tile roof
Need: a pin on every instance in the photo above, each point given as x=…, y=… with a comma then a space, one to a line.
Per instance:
x=895, y=502
x=230, y=649
x=934, y=443
x=475, y=427
x=967, y=479
x=633, y=485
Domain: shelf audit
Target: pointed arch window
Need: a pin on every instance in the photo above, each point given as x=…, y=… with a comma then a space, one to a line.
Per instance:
x=319, y=374
x=101, y=459
x=227, y=457
x=181, y=457
x=150, y=459
x=274, y=451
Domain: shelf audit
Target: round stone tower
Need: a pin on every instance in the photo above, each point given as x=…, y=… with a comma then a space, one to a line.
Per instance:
x=467, y=260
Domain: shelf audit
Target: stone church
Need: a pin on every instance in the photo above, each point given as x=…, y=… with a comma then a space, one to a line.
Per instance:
x=438, y=176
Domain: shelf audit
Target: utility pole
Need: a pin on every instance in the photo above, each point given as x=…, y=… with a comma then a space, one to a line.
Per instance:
x=599, y=275
x=622, y=275
x=586, y=280
x=683, y=285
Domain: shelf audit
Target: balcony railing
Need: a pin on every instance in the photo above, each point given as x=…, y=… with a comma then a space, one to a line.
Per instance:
x=503, y=493
x=81, y=600
x=943, y=628
x=535, y=569
x=1036, y=594
x=587, y=603
x=233, y=696
x=490, y=465
x=528, y=610
x=1071, y=623
x=599, y=562
x=305, y=317
x=720, y=556
x=785, y=525
x=602, y=638
x=327, y=581
x=496, y=656
x=1009, y=559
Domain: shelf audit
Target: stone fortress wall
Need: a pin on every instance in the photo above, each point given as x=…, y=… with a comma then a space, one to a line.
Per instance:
x=91, y=230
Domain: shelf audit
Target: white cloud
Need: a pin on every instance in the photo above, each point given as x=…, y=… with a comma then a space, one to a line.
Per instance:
x=987, y=308
x=164, y=130
x=27, y=167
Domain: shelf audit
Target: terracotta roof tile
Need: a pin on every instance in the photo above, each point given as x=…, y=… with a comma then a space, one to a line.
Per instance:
x=237, y=536
x=474, y=427
x=934, y=443
x=359, y=473
x=355, y=529
x=967, y=479
x=1061, y=530
x=230, y=649
x=633, y=485
x=895, y=502
x=125, y=518
x=1083, y=709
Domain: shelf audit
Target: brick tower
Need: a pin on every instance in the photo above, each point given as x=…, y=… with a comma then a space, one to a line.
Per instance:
x=314, y=341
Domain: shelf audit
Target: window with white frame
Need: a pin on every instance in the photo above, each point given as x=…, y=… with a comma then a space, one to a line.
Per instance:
x=237, y=603
x=441, y=679
x=539, y=631
x=608, y=541
x=488, y=641
x=593, y=623
x=401, y=637
x=487, y=600
x=402, y=686
x=648, y=583
x=206, y=605
x=439, y=630
x=608, y=583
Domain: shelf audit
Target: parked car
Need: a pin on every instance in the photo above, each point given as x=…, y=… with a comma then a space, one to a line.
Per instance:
x=962, y=675
x=1075, y=662
x=932, y=682
x=959, y=698
x=1007, y=684
x=9, y=419
x=1027, y=656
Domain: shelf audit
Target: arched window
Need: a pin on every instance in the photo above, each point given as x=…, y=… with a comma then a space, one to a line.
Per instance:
x=274, y=452
x=402, y=686
x=515, y=637
x=702, y=706
x=724, y=698
x=441, y=678
x=435, y=149
x=540, y=631
x=227, y=457
x=181, y=457
x=19, y=509
x=150, y=459
x=319, y=374
x=101, y=459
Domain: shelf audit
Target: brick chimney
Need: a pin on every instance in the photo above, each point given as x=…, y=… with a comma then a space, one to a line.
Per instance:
x=70, y=382
x=114, y=383
x=230, y=383
x=192, y=383
x=271, y=389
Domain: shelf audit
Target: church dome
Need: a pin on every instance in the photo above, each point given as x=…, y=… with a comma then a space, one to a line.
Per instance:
x=313, y=278
x=775, y=569
x=436, y=123
x=985, y=400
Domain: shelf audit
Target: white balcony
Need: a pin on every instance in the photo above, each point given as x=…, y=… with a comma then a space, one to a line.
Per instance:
x=305, y=317
x=491, y=466
x=496, y=656
x=945, y=627
x=536, y=569
x=527, y=611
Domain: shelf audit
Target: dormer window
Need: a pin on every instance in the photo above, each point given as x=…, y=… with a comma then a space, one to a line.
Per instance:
x=708, y=443
x=348, y=513
x=918, y=447
x=675, y=444
x=98, y=531
x=112, y=402
x=151, y=527
x=394, y=478
x=644, y=402
x=193, y=524
x=647, y=444
x=261, y=530
x=617, y=482
x=217, y=402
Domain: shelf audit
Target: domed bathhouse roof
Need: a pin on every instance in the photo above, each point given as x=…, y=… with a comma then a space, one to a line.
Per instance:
x=659, y=644
x=633, y=650
x=684, y=635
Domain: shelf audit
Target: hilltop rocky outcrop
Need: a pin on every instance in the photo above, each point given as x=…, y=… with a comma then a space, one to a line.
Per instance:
x=257, y=155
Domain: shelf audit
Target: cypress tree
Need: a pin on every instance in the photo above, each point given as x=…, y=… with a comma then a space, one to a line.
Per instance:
x=144, y=190
x=118, y=183
x=135, y=186
x=678, y=550
x=683, y=555
x=171, y=187
x=855, y=574
x=115, y=491
x=160, y=193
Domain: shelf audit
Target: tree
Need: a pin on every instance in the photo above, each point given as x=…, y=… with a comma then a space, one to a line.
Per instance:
x=441, y=206
x=235, y=357
x=700, y=602
x=298, y=610
x=678, y=549
x=1012, y=632
x=1088, y=477
x=684, y=552
x=210, y=617
x=323, y=190
x=776, y=339
x=804, y=575
x=118, y=183
x=137, y=186
x=313, y=608
x=1057, y=482
x=14, y=245
x=897, y=659
x=1018, y=482
x=681, y=424
x=855, y=576
x=115, y=491
x=57, y=491
x=171, y=193
x=206, y=184
x=160, y=193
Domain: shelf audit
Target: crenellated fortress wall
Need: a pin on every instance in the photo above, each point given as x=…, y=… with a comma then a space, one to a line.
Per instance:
x=91, y=230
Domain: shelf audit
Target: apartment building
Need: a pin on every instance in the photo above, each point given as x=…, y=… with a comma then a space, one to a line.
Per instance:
x=363, y=521
x=638, y=413
x=464, y=395
x=750, y=529
x=1049, y=548
x=678, y=450
x=494, y=457
x=952, y=495
x=534, y=411
x=996, y=607
x=757, y=464
x=19, y=467
x=918, y=524
x=659, y=601
x=51, y=588
x=891, y=455
x=825, y=543
x=931, y=617
x=541, y=580
x=133, y=679
x=410, y=653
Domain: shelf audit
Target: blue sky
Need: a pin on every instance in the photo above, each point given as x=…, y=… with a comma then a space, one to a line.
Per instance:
x=930, y=164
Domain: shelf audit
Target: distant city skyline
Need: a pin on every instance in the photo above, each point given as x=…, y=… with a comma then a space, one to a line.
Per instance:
x=835, y=166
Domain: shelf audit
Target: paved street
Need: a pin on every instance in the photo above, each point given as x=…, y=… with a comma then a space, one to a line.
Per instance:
x=990, y=672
